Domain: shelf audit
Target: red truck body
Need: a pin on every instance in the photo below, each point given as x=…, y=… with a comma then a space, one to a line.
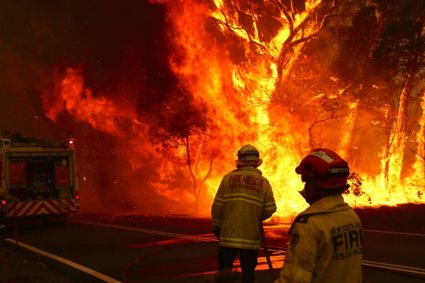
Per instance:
x=38, y=177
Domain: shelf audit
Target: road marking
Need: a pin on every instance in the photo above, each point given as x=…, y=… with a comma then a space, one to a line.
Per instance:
x=209, y=238
x=65, y=261
x=396, y=233
x=394, y=267
x=204, y=238
x=421, y=270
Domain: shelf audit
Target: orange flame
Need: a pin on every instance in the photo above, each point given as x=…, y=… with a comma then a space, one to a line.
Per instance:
x=235, y=70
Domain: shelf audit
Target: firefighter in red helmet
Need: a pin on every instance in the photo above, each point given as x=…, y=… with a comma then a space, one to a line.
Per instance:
x=243, y=199
x=325, y=243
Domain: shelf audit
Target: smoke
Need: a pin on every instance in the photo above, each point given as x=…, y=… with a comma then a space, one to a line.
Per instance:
x=142, y=83
x=121, y=52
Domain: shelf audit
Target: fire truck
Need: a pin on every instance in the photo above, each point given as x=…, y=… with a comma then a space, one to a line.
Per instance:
x=38, y=178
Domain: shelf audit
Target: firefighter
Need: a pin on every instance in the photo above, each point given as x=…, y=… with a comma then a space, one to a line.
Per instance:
x=243, y=200
x=325, y=242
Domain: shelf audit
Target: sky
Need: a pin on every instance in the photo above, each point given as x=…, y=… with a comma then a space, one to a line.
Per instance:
x=111, y=41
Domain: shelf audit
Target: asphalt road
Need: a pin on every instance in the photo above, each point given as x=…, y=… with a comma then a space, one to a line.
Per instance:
x=176, y=249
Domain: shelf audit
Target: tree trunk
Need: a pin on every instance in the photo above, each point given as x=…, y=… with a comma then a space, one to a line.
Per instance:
x=397, y=139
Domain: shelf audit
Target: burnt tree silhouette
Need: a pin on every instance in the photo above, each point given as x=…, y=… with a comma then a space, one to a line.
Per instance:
x=183, y=125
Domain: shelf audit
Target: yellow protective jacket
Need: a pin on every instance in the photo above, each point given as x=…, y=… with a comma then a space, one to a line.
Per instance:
x=244, y=198
x=325, y=245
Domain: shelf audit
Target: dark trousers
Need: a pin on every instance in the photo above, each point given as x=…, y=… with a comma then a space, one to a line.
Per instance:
x=247, y=258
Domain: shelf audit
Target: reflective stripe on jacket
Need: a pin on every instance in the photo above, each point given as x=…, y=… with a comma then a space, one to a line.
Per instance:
x=244, y=198
x=325, y=245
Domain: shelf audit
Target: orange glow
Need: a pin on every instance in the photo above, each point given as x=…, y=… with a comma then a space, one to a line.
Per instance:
x=238, y=73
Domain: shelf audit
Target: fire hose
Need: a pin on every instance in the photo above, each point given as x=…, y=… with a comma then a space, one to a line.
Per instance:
x=266, y=251
x=140, y=259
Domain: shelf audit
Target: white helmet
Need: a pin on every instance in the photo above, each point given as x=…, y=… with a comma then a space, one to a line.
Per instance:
x=248, y=155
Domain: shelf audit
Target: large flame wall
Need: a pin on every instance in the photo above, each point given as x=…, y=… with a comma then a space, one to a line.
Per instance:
x=228, y=76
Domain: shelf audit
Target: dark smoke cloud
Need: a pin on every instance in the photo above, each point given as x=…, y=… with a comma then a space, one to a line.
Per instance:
x=111, y=40
x=114, y=43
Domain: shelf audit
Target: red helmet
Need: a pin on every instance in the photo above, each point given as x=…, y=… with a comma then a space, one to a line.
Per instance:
x=326, y=167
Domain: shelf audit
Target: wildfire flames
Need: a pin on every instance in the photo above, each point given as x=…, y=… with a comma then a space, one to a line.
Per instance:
x=245, y=75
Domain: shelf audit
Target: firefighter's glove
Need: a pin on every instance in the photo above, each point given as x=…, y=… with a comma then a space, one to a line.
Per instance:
x=216, y=232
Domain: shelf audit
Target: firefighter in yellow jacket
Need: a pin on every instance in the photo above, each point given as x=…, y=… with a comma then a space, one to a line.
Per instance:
x=244, y=199
x=326, y=239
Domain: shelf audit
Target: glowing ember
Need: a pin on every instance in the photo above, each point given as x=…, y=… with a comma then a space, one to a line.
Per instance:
x=241, y=71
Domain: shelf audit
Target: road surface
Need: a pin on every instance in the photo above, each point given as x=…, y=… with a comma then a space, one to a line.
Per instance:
x=180, y=249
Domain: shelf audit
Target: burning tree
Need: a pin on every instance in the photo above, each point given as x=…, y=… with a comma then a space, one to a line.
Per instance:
x=182, y=131
x=284, y=75
x=355, y=181
x=270, y=44
x=401, y=60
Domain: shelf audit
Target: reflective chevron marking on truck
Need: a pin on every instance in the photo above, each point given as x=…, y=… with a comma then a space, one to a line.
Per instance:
x=41, y=207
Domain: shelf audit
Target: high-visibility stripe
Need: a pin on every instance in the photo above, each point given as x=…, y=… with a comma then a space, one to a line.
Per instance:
x=218, y=203
x=244, y=200
x=218, y=199
x=240, y=243
x=270, y=205
x=240, y=240
x=243, y=197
